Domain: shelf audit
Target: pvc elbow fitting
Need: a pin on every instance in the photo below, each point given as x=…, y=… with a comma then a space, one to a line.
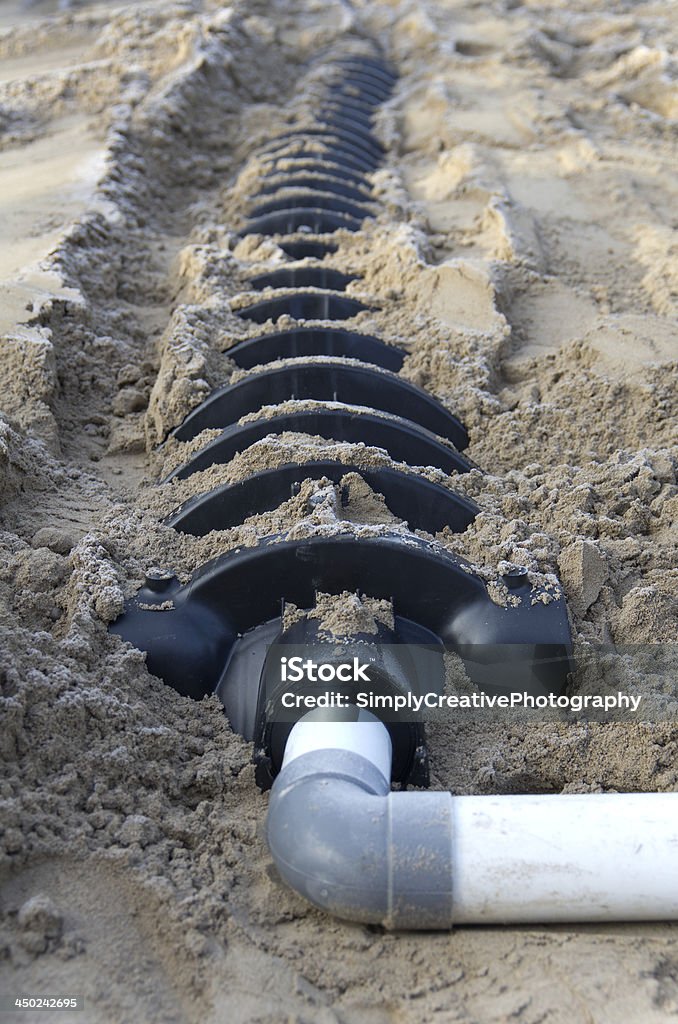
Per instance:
x=425, y=860
x=340, y=838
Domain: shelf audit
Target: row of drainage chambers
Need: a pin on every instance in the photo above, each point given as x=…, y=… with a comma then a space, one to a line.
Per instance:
x=338, y=833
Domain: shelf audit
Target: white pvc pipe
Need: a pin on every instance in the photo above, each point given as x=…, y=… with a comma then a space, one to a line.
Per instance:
x=593, y=857
x=431, y=860
x=364, y=734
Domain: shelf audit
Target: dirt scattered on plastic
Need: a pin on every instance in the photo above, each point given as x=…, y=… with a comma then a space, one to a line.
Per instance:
x=521, y=258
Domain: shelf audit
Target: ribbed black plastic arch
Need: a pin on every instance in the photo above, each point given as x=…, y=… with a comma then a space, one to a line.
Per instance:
x=201, y=637
x=369, y=66
x=355, y=84
x=356, y=92
x=335, y=153
x=362, y=108
x=403, y=440
x=301, y=247
x=369, y=85
x=353, y=136
x=303, y=277
x=315, y=162
x=352, y=383
x=287, y=222
x=422, y=504
x=350, y=153
x=315, y=341
x=315, y=201
x=352, y=113
x=338, y=91
x=304, y=306
x=318, y=183
x=348, y=127
x=523, y=647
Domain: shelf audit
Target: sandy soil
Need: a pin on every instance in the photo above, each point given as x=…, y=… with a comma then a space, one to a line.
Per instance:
x=525, y=256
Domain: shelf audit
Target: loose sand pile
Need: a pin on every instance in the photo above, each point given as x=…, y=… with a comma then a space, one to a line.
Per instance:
x=523, y=255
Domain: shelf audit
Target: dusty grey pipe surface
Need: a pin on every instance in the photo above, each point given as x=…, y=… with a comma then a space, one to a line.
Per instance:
x=340, y=838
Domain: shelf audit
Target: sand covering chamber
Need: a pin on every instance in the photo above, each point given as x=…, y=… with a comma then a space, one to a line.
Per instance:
x=214, y=634
x=336, y=831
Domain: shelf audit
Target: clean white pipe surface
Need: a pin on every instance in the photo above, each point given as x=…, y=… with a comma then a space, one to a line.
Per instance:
x=592, y=857
x=365, y=735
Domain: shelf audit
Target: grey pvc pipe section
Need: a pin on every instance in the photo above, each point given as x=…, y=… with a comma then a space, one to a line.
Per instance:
x=428, y=860
x=340, y=838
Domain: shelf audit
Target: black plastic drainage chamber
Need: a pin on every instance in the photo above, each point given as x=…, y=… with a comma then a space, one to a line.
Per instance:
x=222, y=631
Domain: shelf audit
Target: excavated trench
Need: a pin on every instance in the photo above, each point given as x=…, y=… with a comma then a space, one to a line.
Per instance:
x=213, y=633
x=514, y=263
